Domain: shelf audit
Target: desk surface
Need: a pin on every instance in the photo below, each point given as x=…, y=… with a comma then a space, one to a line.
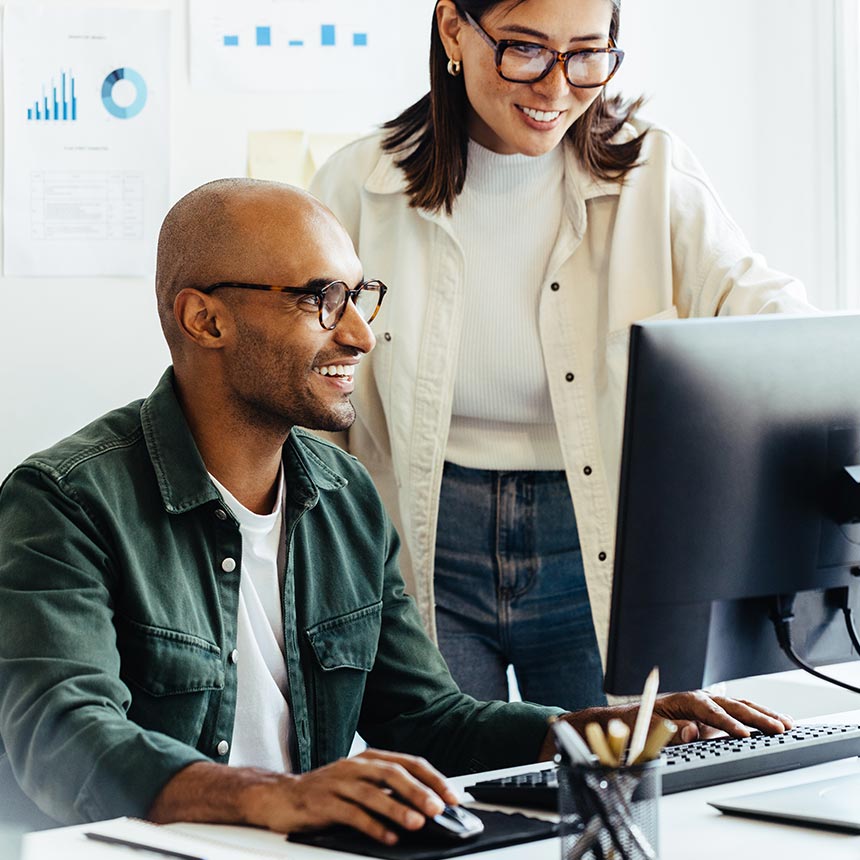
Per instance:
x=689, y=828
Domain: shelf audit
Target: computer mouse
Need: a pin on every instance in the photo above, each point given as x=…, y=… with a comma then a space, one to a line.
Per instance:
x=453, y=823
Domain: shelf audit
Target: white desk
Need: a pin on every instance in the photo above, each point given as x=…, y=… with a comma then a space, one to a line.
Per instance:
x=689, y=830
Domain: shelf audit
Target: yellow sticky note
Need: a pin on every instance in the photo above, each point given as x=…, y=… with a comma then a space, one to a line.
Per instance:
x=291, y=155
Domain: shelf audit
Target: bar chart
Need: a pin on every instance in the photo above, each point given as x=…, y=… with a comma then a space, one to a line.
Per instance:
x=328, y=38
x=304, y=46
x=58, y=102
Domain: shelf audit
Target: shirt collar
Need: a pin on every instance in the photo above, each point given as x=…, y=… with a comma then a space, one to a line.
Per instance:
x=182, y=478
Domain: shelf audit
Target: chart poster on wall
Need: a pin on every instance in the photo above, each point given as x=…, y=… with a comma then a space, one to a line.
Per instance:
x=346, y=48
x=86, y=111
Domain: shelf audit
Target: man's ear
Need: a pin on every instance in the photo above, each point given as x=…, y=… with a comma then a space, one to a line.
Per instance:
x=200, y=317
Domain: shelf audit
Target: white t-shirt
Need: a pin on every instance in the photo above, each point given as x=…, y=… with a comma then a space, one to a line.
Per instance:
x=262, y=726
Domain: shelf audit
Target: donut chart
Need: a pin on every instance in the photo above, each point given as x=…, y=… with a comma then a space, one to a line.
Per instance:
x=124, y=111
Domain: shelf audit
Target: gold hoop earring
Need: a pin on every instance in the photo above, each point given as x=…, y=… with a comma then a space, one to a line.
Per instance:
x=454, y=67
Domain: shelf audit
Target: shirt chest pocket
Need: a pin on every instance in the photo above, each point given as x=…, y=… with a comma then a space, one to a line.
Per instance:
x=173, y=678
x=347, y=641
x=344, y=650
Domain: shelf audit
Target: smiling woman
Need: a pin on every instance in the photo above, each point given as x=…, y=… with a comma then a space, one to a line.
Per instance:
x=523, y=219
x=516, y=43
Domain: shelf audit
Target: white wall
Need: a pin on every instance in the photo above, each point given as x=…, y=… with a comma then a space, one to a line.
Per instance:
x=748, y=84
x=72, y=349
x=748, y=93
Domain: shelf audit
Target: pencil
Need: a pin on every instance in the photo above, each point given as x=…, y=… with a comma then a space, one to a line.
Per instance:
x=643, y=718
x=617, y=734
x=597, y=741
x=658, y=737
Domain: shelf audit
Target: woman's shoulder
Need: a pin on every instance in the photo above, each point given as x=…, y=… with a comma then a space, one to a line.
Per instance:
x=659, y=143
x=653, y=134
x=669, y=167
x=664, y=158
x=355, y=161
x=362, y=165
x=366, y=148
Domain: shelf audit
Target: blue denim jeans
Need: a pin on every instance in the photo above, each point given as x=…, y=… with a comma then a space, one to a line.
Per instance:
x=510, y=588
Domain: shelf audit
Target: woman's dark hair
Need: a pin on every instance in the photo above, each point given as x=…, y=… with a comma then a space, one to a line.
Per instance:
x=433, y=134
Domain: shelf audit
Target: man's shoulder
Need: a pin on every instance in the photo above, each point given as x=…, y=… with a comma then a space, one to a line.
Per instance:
x=115, y=433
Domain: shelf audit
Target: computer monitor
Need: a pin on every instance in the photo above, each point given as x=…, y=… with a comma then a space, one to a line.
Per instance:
x=733, y=491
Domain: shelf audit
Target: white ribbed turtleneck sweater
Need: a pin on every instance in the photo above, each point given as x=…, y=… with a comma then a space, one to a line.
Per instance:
x=506, y=219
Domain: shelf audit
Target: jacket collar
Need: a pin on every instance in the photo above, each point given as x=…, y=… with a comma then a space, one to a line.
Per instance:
x=181, y=473
x=306, y=473
x=580, y=186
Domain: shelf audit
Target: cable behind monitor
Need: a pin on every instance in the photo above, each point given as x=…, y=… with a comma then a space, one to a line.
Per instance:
x=782, y=615
x=842, y=602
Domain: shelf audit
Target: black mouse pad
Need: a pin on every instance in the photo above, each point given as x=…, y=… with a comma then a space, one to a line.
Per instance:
x=500, y=829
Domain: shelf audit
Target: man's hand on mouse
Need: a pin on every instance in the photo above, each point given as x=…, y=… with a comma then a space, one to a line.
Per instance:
x=364, y=792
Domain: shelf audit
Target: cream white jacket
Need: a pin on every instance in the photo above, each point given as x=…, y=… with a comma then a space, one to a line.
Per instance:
x=659, y=246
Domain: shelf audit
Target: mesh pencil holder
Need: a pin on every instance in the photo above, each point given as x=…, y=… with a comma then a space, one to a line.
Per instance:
x=609, y=813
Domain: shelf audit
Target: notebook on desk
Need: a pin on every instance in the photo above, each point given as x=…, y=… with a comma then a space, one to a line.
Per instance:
x=830, y=803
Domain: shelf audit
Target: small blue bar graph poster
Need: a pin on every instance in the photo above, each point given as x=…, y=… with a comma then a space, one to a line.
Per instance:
x=86, y=120
x=57, y=101
x=339, y=46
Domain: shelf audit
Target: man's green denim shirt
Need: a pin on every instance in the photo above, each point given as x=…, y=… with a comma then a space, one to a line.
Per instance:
x=119, y=587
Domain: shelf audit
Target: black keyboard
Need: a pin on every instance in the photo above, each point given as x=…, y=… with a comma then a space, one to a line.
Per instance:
x=696, y=765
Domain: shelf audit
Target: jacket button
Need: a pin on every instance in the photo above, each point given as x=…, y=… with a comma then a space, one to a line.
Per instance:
x=555, y=286
x=220, y=514
x=223, y=748
x=569, y=377
x=387, y=335
x=234, y=656
x=602, y=556
x=228, y=565
x=586, y=470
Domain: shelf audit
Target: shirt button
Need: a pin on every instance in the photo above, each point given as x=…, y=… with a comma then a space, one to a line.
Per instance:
x=387, y=335
x=555, y=287
x=228, y=565
x=220, y=514
x=223, y=748
x=569, y=377
x=602, y=556
x=587, y=470
x=234, y=656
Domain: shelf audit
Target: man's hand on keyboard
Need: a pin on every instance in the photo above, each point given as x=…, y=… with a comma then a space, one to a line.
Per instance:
x=702, y=715
x=697, y=714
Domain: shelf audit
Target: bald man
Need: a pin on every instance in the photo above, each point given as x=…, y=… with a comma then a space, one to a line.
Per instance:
x=200, y=603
